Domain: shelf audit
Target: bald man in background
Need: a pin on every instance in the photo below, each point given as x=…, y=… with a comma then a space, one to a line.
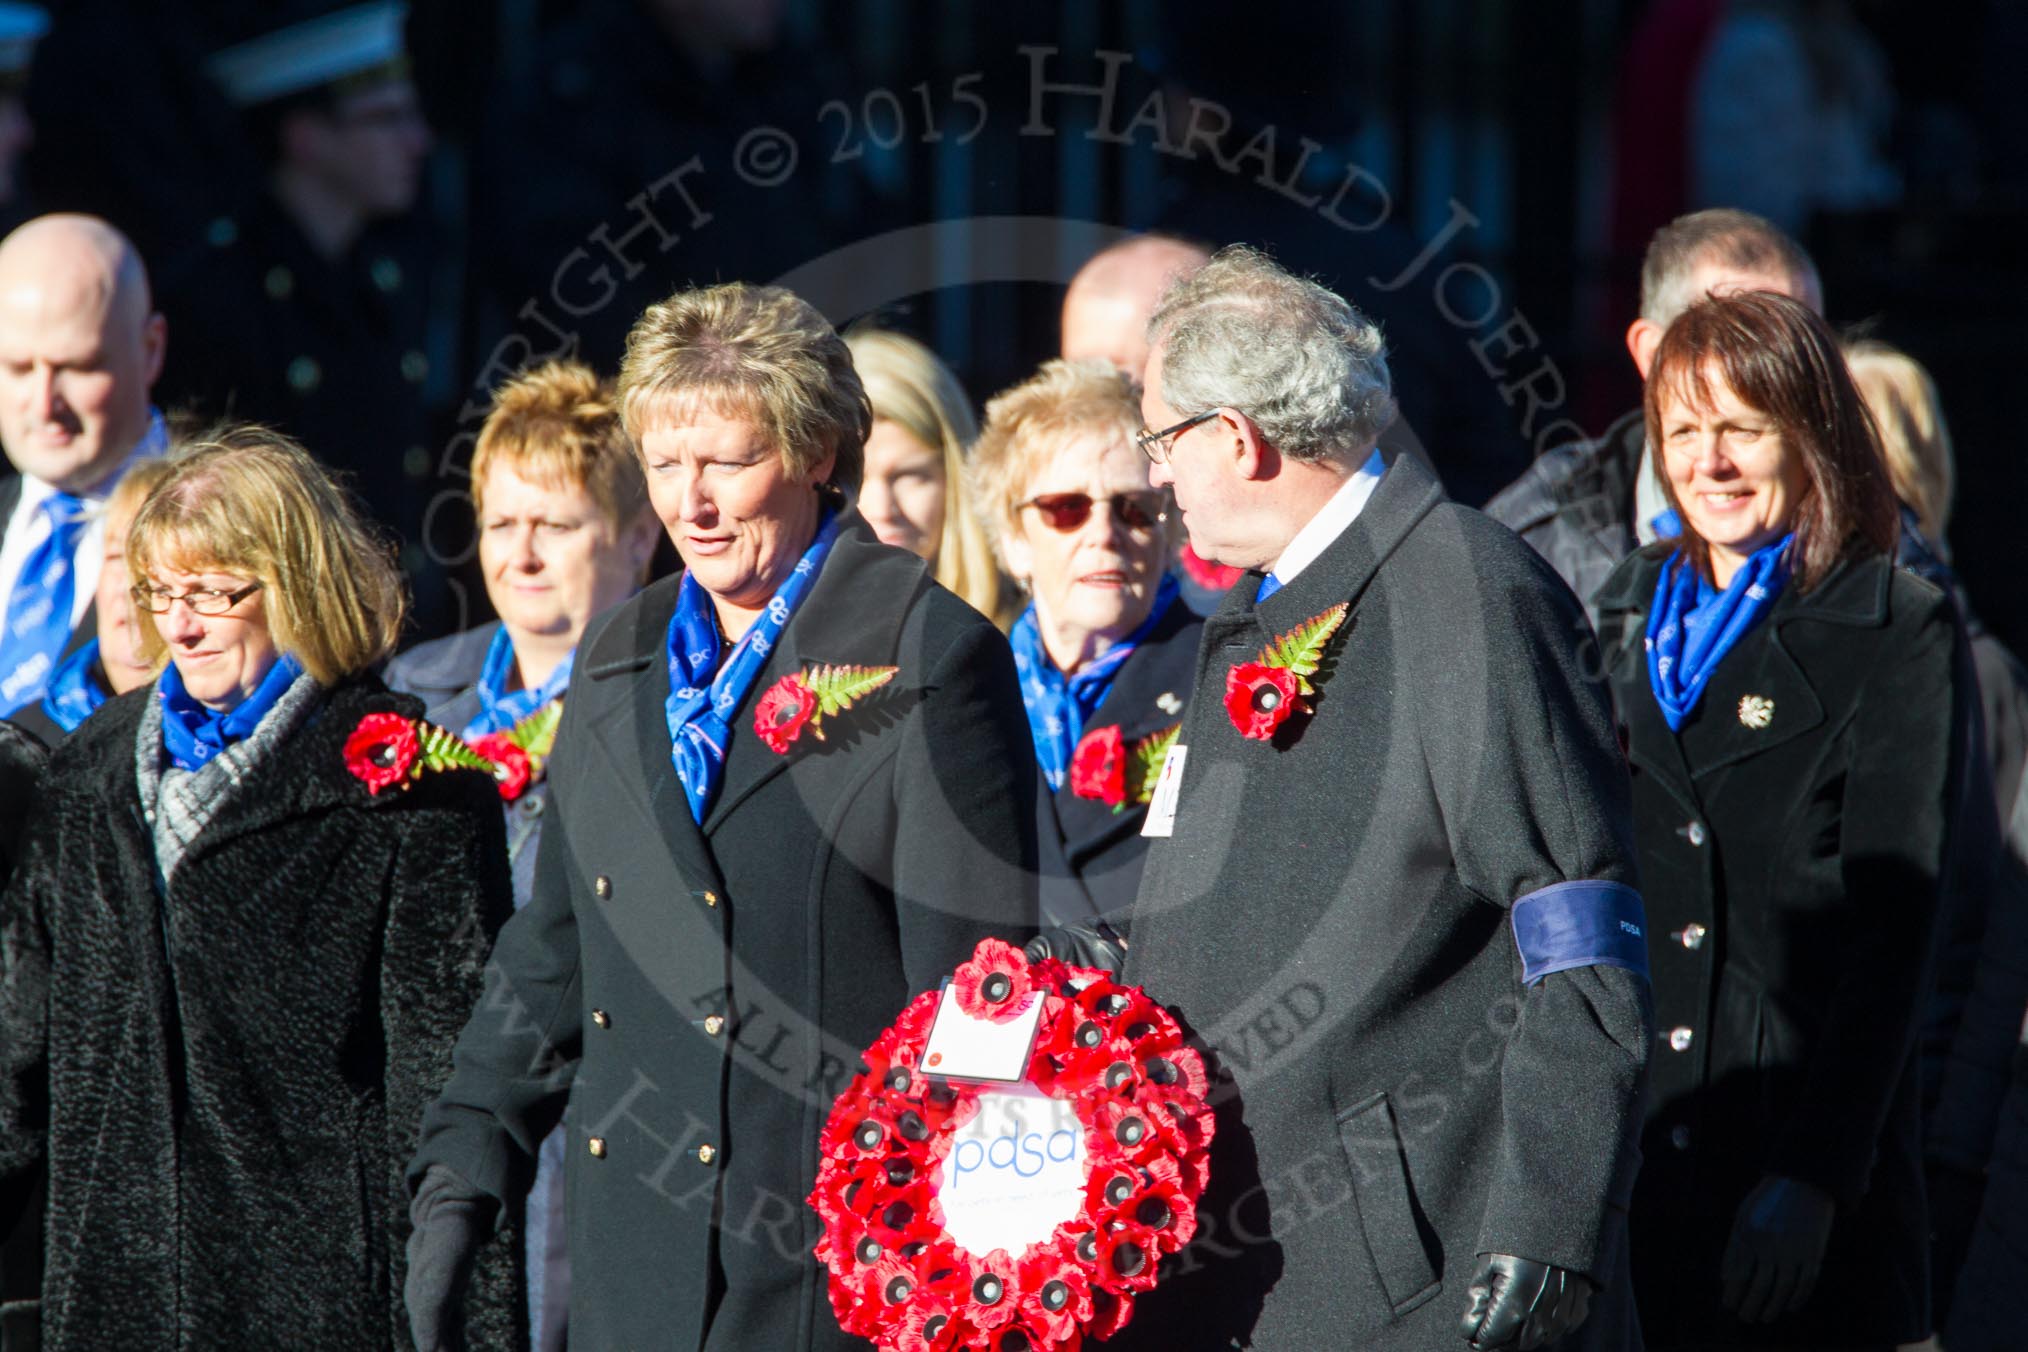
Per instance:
x=1105, y=312
x=80, y=348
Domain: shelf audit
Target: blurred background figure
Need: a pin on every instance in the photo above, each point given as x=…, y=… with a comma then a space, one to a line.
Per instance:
x=309, y=308
x=564, y=534
x=1105, y=648
x=1106, y=308
x=80, y=348
x=21, y=28
x=912, y=490
x=1913, y=434
x=112, y=662
x=1792, y=706
x=245, y=1084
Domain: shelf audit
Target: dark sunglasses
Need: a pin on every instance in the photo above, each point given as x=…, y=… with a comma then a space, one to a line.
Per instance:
x=1069, y=511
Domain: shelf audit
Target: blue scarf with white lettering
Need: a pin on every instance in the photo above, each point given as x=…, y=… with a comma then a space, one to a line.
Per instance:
x=193, y=734
x=74, y=692
x=499, y=707
x=1692, y=625
x=701, y=705
x=1059, y=706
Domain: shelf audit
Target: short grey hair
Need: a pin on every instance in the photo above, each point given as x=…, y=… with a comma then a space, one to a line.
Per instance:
x=1301, y=362
x=1724, y=237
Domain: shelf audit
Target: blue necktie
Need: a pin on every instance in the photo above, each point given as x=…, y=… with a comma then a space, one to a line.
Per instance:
x=38, y=612
x=1269, y=585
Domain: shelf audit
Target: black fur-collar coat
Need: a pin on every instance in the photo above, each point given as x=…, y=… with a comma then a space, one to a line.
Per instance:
x=225, y=1081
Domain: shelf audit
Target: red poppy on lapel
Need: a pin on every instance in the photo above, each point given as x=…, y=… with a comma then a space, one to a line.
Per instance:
x=1261, y=695
x=805, y=698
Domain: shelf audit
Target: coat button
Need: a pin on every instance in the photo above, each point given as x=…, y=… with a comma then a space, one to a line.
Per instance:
x=597, y=1146
x=1694, y=833
x=705, y=1154
x=602, y=1019
x=1679, y=1039
x=1679, y=1136
x=1690, y=936
x=714, y=1025
x=602, y=885
x=711, y=898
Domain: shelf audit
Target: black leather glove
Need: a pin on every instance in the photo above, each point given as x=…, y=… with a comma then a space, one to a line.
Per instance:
x=1520, y=1303
x=452, y=1219
x=1081, y=944
x=1777, y=1248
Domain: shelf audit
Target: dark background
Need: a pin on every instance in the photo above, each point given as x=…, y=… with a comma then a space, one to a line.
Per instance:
x=553, y=120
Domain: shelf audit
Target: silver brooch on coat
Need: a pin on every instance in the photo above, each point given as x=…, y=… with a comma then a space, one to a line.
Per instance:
x=1168, y=703
x=1756, y=711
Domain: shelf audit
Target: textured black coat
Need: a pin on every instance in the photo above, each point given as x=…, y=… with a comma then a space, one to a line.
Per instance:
x=1792, y=874
x=1090, y=855
x=225, y=1083
x=702, y=994
x=1332, y=916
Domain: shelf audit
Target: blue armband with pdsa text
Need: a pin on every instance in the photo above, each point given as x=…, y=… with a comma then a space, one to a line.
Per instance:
x=1581, y=924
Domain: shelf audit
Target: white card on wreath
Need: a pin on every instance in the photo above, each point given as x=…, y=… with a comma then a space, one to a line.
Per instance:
x=965, y=1048
x=1161, y=820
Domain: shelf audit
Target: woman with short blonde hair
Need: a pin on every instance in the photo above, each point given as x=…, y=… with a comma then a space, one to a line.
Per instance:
x=1105, y=649
x=247, y=921
x=1913, y=434
x=912, y=491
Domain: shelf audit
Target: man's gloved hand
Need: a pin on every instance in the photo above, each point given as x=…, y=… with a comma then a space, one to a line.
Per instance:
x=1520, y=1303
x=1777, y=1248
x=1081, y=944
x=452, y=1219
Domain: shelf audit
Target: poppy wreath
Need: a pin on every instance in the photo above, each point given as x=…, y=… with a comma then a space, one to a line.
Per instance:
x=1106, y=769
x=1119, y=1059
x=804, y=699
x=1261, y=695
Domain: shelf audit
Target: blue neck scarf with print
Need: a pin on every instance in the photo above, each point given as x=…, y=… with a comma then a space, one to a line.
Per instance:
x=74, y=691
x=193, y=734
x=1058, y=705
x=700, y=704
x=501, y=708
x=1692, y=625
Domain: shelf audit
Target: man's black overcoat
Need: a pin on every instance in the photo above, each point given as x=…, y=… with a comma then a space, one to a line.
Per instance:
x=226, y=1081
x=702, y=995
x=1331, y=915
x=1792, y=838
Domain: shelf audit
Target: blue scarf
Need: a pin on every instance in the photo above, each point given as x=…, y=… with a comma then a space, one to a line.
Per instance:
x=74, y=694
x=499, y=708
x=1693, y=625
x=1058, y=705
x=701, y=705
x=193, y=734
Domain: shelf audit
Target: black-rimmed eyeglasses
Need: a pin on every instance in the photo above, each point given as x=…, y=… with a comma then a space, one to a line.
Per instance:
x=1155, y=445
x=204, y=600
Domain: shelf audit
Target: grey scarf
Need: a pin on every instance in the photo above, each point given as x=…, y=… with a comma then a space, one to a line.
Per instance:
x=178, y=804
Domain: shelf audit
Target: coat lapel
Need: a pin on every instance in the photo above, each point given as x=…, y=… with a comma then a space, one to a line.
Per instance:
x=834, y=626
x=630, y=728
x=1623, y=605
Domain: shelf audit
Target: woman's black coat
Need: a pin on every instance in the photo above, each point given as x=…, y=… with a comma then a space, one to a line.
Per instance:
x=1090, y=855
x=224, y=1083
x=1792, y=840
x=702, y=994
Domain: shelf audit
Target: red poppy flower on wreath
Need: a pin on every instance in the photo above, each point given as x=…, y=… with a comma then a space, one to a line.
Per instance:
x=900, y=1139
x=386, y=750
x=512, y=770
x=806, y=698
x=994, y=983
x=1262, y=694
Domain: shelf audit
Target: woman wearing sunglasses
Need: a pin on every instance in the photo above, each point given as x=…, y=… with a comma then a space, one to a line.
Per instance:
x=1104, y=649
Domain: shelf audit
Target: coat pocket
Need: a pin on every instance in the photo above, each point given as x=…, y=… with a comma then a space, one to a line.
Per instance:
x=1394, y=1226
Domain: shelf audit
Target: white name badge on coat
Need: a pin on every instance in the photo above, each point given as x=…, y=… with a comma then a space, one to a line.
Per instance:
x=965, y=1048
x=1161, y=820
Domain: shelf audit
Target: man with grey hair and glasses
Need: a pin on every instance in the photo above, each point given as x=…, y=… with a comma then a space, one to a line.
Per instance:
x=1392, y=881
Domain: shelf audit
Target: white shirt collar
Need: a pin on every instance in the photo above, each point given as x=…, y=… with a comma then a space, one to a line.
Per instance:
x=1331, y=519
